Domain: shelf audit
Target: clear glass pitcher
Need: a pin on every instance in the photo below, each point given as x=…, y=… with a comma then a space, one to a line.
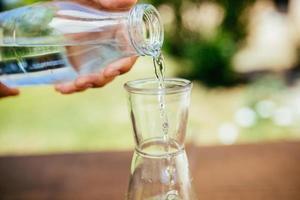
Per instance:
x=58, y=41
x=159, y=168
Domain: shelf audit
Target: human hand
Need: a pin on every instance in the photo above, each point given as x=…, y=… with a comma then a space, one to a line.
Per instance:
x=6, y=91
x=111, y=71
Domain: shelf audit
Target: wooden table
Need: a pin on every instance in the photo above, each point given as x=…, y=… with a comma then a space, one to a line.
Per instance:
x=243, y=172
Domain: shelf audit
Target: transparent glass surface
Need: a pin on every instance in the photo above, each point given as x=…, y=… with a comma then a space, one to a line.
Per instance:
x=58, y=41
x=160, y=168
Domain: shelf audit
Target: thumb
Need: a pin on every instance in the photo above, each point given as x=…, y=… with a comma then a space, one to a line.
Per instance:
x=6, y=91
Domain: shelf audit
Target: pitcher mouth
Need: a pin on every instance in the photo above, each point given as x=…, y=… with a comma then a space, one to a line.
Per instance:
x=149, y=86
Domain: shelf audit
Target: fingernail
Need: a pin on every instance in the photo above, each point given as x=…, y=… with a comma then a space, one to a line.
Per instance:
x=57, y=88
x=115, y=73
x=81, y=82
x=88, y=85
x=112, y=73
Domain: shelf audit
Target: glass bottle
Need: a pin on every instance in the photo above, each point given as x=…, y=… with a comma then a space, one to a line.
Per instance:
x=58, y=41
x=159, y=168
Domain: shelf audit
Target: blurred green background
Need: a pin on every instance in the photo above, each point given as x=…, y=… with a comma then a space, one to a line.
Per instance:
x=243, y=57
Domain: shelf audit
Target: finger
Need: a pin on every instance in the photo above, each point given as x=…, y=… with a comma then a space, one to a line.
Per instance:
x=119, y=67
x=68, y=88
x=90, y=80
x=103, y=82
x=116, y=4
x=6, y=91
x=97, y=80
x=108, y=80
x=84, y=82
x=128, y=65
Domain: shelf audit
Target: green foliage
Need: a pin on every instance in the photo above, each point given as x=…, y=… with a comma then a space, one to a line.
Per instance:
x=234, y=10
x=29, y=21
x=34, y=21
x=11, y=5
x=210, y=59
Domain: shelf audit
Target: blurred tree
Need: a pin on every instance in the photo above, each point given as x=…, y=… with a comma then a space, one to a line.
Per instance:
x=210, y=57
x=11, y=4
x=282, y=5
x=1, y=6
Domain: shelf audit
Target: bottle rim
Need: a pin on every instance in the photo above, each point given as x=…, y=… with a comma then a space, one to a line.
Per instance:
x=146, y=30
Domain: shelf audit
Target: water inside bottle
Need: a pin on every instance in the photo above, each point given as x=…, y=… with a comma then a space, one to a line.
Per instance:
x=35, y=65
x=58, y=41
x=32, y=65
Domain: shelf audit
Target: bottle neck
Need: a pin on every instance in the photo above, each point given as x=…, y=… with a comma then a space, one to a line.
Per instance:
x=145, y=30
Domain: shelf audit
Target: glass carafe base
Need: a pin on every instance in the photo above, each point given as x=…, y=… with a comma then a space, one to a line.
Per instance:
x=160, y=171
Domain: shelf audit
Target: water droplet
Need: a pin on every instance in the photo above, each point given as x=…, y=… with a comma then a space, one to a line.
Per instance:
x=172, y=195
x=165, y=125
